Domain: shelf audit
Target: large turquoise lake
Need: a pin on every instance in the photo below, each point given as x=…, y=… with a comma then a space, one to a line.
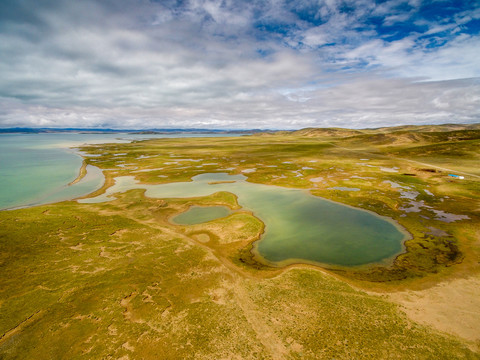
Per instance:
x=37, y=168
x=299, y=227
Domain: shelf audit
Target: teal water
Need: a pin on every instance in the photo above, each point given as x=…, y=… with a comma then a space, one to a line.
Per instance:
x=201, y=214
x=37, y=168
x=299, y=227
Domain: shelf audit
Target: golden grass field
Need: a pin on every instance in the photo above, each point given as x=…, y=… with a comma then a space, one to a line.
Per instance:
x=118, y=280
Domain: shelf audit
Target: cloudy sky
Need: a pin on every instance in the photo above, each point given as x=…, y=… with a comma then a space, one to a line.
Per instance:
x=278, y=64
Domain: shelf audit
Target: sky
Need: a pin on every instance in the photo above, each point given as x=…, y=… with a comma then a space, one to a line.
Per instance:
x=238, y=64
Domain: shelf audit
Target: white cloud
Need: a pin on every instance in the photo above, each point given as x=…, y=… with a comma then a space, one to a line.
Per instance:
x=139, y=64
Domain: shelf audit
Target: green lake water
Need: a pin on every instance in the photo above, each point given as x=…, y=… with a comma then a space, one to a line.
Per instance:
x=299, y=227
x=37, y=168
x=201, y=214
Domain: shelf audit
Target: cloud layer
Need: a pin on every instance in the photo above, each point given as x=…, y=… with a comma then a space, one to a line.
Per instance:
x=238, y=64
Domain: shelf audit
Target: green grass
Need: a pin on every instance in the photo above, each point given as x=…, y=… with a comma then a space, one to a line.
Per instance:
x=99, y=284
x=118, y=280
x=290, y=161
x=348, y=324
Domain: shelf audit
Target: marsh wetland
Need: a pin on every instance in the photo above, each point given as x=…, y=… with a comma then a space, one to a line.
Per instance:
x=254, y=247
x=299, y=227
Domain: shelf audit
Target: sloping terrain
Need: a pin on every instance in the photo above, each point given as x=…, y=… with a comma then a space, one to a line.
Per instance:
x=105, y=281
x=118, y=280
x=326, y=132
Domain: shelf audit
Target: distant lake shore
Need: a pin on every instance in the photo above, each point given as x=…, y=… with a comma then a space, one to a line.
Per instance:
x=41, y=168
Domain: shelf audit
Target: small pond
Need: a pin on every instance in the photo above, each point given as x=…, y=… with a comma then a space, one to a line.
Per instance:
x=299, y=227
x=201, y=214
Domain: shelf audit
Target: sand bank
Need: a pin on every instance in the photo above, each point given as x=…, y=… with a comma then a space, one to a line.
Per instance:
x=81, y=173
x=452, y=307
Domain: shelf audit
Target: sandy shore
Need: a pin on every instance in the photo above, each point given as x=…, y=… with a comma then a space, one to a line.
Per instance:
x=452, y=307
x=81, y=173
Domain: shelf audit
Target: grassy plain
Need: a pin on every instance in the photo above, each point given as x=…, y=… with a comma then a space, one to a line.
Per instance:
x=118, y=280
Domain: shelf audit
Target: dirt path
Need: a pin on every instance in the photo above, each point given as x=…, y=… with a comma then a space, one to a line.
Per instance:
x=265, y=333
x=20, y=326
x=255, y=317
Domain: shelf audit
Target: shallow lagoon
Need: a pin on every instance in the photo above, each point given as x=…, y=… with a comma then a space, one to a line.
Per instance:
x=201, y=214
x=299, y=227
x=37, y=168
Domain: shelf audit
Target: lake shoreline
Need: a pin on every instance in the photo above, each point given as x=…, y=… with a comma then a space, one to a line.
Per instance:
x=81, y=173
x=388, y=261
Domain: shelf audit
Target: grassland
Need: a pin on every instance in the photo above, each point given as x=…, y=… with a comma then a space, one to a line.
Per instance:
x=118, y=280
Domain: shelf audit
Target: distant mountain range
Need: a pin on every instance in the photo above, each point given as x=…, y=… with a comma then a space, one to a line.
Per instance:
x=114, y=131
x=307, y=132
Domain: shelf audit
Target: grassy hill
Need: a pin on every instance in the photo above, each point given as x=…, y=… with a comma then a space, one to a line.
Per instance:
x=119, y=280
x=326, y=132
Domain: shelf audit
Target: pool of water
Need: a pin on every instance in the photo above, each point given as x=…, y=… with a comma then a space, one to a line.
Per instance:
x=37, y=168
x=201, y=214
x=299, y=227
